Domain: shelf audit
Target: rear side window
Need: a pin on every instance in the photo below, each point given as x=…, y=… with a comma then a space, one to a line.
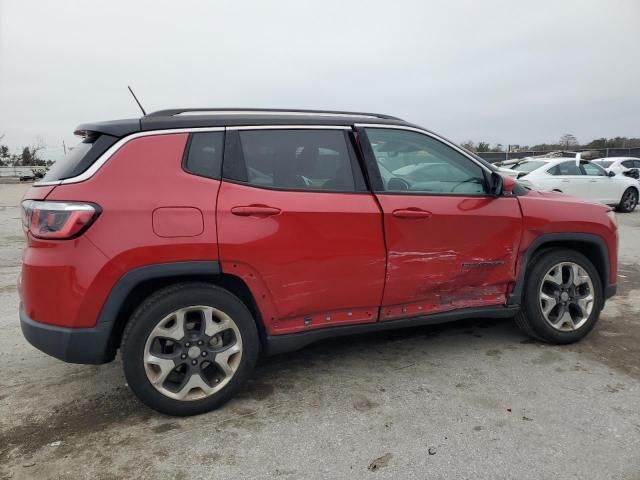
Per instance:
x=566, y=168
x=80, y=157
x=628, y=163
x=203, y=155
x=321, y=160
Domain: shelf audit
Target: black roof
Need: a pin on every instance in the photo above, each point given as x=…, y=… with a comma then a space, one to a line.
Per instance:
x=214, y=117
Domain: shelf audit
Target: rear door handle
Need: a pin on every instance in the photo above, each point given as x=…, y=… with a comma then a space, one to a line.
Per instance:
x=566, y=180
x=255, y=211
x=411, y=213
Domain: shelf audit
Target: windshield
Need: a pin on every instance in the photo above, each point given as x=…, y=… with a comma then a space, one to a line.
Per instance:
x=603, y=163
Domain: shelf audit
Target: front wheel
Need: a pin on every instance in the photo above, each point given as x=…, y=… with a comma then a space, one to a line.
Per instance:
x=189, y=348
x=562, y=297
x=629, y=200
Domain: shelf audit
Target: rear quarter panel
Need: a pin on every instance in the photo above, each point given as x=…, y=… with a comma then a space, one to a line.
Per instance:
x=143, y=176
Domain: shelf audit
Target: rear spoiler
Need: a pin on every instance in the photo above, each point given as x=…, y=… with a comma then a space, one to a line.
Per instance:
x=114, y=128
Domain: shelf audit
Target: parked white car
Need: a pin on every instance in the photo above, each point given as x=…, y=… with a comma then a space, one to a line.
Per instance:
x=579, y=178
x=618, y=165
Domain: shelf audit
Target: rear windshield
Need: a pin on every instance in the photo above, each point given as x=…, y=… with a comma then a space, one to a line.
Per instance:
x=80, y=157
x=527, y=166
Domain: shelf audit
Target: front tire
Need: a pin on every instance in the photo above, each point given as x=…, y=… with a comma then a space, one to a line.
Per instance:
x=628, y=201
x=563, y=297
x=189, y=348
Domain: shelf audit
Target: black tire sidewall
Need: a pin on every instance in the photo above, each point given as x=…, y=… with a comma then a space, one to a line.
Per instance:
x=628, y=210
x=532, y=310
x=162, y=303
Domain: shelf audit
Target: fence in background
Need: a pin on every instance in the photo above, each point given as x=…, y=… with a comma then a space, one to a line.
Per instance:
x=603, y=152
x=16, y=171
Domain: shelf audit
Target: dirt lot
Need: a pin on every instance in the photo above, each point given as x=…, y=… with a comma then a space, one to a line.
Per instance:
x=474, y=399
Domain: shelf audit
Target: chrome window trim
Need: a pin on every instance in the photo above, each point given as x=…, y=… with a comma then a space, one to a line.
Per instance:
x=120, y=143
x=429, y=134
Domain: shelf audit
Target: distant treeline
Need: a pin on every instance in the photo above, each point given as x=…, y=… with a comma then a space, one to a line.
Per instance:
x=566, y=142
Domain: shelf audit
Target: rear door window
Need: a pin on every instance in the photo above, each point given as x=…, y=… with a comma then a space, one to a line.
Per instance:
x=566, y=168
x=320, y=160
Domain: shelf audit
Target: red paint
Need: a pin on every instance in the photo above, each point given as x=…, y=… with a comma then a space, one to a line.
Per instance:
x=177, y=222
x=434, y=259
x=310, y=259
x=322, y=252
x=66, y=282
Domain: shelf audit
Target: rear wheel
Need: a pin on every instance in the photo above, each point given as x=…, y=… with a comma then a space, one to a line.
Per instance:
x=629, y=200
x=562, y=297
x=189, y=348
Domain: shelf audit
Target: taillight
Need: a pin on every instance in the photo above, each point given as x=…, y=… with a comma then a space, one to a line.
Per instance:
x=57, y=220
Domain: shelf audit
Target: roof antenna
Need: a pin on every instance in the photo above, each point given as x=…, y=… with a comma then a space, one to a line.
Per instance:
x=137, y=101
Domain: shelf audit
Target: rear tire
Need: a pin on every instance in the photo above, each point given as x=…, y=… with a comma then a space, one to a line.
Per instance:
x=189, y=348
x=628, y=201
x=563, y=297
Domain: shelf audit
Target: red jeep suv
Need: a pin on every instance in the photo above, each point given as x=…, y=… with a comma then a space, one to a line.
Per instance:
x=192, y=240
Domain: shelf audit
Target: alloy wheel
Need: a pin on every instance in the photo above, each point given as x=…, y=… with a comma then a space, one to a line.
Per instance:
x=192, y=353
x=566, y=296
x=629, y=200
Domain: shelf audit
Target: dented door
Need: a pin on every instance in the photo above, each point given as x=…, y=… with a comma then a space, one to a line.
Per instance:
x=461, y=255
x=449, y=243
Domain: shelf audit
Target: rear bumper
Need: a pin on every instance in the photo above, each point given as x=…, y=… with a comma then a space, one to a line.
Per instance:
x=73, y=345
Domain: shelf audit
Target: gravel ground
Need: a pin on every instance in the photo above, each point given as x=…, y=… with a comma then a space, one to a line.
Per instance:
x=472, y=399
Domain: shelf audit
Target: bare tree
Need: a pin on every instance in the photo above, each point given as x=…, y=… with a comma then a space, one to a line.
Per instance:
x=568, y=140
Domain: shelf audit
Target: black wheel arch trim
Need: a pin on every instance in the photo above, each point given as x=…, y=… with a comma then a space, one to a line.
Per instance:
x=515, y=297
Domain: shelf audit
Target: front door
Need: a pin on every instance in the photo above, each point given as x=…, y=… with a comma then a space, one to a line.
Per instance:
x=297, y=224
x=449, y=244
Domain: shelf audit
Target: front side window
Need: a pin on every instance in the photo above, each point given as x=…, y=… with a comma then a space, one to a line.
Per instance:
x=300, y=160
x=565, y=168
x=593, y=170
x=414, y=162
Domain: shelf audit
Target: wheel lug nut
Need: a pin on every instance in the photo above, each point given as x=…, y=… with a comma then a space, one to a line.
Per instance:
x=193, y=362
x=204, y=354
x=183, y=356
x=200, y=342
x=188, y=344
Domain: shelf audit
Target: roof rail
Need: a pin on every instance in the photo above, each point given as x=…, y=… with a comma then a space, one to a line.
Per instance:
x=263, y=111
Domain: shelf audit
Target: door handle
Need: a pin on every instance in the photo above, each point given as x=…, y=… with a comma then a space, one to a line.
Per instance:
x=566, y=180
x=255, y=211
x=411, y=213
x=593, y=181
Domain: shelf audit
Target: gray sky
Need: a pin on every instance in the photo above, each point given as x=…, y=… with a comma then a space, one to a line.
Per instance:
x=500, y=71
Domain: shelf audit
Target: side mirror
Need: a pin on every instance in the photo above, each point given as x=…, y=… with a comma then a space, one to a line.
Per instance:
x=611, y=174
x=496, y=184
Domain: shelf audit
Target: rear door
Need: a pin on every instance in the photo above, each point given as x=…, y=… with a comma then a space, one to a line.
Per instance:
x=298, y=225
x=570, y=179
x=450, y=245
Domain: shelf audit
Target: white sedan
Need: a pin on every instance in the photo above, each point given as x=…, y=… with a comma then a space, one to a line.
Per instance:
x=579, y=178
x=618, y=165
